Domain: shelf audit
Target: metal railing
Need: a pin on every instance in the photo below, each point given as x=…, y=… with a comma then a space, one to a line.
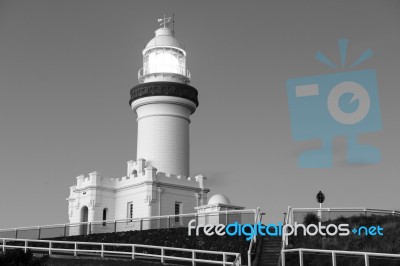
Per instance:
x=253, y=241
x=284, y=239
x=132, y=251
x=325, y=214
x=166, y=70
x=334, y=255
x=121, y=225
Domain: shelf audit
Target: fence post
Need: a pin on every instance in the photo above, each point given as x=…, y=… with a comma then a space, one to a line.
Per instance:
x=193, y=258
x=283, y=257
x=141, y=224
x=133, y=252
x=115, y=226
x=65, y=230
x=38, y=232
x=4, y=246
x=89, y=228
x=16, y=232
x=196, y=216
x=224, y=258
x=50, y=247
x=168, y=224
x=102, y=251
x=256, y=221
x=75, y=248
x=333, y=258
x=26, y=244
x=301, y=257
x=162, y=255
x=366, y=259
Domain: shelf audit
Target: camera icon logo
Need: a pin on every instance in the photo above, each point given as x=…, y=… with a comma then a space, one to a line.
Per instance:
x=340, y=104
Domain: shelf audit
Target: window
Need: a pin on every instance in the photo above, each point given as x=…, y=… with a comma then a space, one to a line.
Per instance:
x=164, y=60
x=178, y=211
x=130, y=211
x=105, y=210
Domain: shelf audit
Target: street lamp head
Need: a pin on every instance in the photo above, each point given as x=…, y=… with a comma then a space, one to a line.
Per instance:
x=320, y=197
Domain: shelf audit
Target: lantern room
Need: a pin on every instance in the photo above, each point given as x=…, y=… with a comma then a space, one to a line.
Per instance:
x=164, y=59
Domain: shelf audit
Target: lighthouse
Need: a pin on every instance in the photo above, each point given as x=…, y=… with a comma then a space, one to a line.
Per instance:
x=164, y=101
x=158, y=182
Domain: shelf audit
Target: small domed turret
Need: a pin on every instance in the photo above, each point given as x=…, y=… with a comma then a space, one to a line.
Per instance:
x=219, y=199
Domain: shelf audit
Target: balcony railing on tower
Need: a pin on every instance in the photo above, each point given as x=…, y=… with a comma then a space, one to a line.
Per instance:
x=164, y=70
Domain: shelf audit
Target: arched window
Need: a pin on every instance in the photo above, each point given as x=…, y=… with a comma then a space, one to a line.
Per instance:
x=134, y=173
x=105, y=210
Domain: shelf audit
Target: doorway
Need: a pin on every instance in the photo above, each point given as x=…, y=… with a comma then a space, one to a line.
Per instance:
x=84, y=218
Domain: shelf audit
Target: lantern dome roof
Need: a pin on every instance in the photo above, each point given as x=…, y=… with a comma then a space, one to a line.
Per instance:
x=164, y=37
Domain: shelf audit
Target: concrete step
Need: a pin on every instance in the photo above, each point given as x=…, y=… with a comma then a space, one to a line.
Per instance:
x=270, y=251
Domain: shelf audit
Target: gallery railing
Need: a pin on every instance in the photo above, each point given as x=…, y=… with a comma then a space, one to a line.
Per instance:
x=164, y=69
x=110, y=226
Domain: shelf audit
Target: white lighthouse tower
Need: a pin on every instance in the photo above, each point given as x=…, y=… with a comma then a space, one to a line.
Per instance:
x=163, y=102
x=159, y=181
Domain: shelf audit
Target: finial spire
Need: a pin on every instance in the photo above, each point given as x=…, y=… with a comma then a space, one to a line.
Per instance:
x=165, y=21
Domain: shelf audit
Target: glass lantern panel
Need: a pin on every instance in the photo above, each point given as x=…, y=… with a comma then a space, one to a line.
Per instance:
x=164, y=60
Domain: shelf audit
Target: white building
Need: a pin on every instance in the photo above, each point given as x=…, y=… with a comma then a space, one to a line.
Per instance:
x=158, y=183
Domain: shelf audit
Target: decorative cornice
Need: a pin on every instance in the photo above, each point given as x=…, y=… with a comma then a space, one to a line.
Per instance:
x=164, y=88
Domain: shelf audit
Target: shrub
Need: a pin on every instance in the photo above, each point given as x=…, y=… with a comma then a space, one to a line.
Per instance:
x=19, y=257
x=311, y=218
x=388, y=243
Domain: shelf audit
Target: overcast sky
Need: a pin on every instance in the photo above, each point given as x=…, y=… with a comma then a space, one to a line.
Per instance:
x=66, y=68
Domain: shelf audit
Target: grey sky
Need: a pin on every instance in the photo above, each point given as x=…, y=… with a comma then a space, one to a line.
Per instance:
x=66, y=68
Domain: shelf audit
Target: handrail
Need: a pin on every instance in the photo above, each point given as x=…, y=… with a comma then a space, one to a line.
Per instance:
x=341, y=209
x=284, y=237
x=134, y=219
x=237, y=261
x=289, y=219
x=257, y=219
x=75, y=250
x=346, y=252
x=335, y=252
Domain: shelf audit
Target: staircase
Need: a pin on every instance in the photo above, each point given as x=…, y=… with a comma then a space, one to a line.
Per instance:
x=270, y=251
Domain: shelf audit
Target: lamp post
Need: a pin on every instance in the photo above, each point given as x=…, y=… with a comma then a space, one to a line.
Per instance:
x=320, y=200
